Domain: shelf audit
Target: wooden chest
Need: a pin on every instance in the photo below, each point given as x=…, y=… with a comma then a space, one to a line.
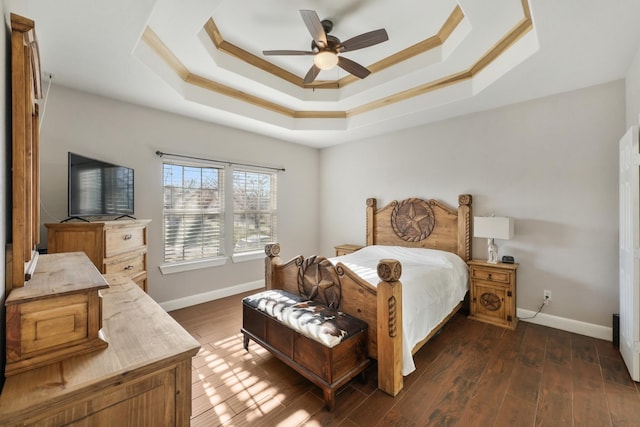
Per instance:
x=327, y=367
x=56, y=315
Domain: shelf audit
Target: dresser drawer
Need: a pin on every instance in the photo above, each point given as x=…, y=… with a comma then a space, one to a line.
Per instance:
x=491, y=275
x=121, y=240
x=131, y=266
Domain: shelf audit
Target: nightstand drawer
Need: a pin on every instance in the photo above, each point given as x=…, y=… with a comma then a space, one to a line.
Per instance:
x=491, y=275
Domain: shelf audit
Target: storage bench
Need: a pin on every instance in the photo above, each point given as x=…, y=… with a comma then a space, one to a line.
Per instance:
x=327, y=347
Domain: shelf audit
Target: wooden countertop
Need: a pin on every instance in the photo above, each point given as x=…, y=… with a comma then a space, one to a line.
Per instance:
x=142, y=338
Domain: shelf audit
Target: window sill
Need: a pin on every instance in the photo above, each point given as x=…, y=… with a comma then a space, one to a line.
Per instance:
x=248, y=256
x=192, y=265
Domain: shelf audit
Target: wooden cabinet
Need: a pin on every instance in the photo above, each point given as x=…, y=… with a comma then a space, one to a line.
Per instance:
x=493, y=293
x=113, y=246
x=347, y=249
x=143, y=378
x=58, y=314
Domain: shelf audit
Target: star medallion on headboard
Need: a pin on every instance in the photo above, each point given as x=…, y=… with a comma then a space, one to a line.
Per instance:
x=413, y=220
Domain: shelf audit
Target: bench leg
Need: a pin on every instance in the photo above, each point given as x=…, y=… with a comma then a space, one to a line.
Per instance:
x=329, y=398
x=363, y=376
x=245, y=341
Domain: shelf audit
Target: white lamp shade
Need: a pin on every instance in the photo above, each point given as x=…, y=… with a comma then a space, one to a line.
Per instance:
x=325, y=60
x=493, y=227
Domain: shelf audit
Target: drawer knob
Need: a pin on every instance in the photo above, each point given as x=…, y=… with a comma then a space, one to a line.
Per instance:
x=129, y=267
x=489, y=276
x=127, y=236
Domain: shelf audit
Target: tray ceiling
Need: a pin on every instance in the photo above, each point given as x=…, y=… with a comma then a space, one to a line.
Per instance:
x=443, y=58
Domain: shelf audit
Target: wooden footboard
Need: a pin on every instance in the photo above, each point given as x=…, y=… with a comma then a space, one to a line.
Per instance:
x=380, y=307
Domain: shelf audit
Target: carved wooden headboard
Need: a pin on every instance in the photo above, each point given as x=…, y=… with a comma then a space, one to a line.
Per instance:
x=422, y=223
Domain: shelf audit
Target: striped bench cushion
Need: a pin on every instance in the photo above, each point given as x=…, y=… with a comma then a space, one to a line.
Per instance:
x=310, y=318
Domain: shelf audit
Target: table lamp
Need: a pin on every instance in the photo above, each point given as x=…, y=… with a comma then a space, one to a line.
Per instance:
x=493, y=227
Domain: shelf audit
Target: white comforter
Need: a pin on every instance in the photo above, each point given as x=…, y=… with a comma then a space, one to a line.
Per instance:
x=433, y=282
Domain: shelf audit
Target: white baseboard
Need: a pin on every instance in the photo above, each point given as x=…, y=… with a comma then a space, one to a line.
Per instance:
x=562, y=323
x=210, y=296
x=569, y=325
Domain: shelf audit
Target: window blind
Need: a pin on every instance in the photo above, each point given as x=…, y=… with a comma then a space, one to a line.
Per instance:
x=193, y=213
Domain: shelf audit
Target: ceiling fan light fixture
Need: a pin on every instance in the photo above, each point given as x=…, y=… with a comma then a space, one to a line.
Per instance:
x=325, y=60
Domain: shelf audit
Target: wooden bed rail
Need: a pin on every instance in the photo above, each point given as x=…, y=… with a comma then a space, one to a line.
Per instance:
x=380, y=306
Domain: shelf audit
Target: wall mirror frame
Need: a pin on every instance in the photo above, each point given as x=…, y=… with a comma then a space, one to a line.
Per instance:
x=26, y=88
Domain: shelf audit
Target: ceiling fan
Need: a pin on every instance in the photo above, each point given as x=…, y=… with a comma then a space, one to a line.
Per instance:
x=327, y=50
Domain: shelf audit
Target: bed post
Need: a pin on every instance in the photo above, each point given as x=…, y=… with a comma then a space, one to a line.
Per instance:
x=389, y=314
x=272, y=250
x=371, y=210
x=464, y=226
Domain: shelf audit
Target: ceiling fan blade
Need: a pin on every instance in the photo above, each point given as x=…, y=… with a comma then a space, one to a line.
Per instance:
x=287, y=52
x=364, y=40
x=311, y=74
x=314, y=25
x=353, y=67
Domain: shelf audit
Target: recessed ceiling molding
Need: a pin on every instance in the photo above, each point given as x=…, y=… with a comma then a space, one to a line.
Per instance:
x=153, y=41
x=438, y=40
x=211, y=29
x=197, y=86
x=451, y=23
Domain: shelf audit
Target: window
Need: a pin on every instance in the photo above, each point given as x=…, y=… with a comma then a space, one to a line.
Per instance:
x=193, y=213
x=200, y=204
x=254, y=210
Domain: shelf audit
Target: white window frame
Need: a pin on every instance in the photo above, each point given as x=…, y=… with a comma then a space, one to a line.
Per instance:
x=273, y=211
x=227, y=237
x=187, y=265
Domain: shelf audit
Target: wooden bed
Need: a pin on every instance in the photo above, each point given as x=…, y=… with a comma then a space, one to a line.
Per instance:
x=410, y=223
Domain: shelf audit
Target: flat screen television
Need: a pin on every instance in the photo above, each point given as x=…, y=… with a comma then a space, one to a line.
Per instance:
x=97, y=188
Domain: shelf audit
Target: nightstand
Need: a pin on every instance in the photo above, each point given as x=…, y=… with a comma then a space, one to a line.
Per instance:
x=493, y=293
x=346, y=249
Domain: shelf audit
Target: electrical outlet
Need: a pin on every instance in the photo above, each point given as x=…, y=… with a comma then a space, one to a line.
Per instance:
x=547, y=296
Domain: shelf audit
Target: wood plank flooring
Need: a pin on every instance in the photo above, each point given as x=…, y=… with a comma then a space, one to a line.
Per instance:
x=471, y=374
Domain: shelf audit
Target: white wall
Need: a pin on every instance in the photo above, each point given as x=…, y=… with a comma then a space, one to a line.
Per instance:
x=551, y=164
x=126, y=134
x=633, y=91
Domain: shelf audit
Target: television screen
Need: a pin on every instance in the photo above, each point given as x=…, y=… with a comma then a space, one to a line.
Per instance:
x=98, y=188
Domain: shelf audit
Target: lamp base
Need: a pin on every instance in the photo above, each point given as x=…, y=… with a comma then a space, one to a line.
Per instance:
x=493, y=252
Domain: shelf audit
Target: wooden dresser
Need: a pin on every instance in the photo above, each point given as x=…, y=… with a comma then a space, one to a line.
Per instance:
x=142, y=378
x=113, y=246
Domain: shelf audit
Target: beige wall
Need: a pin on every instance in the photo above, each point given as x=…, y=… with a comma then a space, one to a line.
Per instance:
x=130, y=135
x=551, y=164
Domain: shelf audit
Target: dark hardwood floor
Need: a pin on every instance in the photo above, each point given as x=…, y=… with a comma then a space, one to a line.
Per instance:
x=471, y=374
